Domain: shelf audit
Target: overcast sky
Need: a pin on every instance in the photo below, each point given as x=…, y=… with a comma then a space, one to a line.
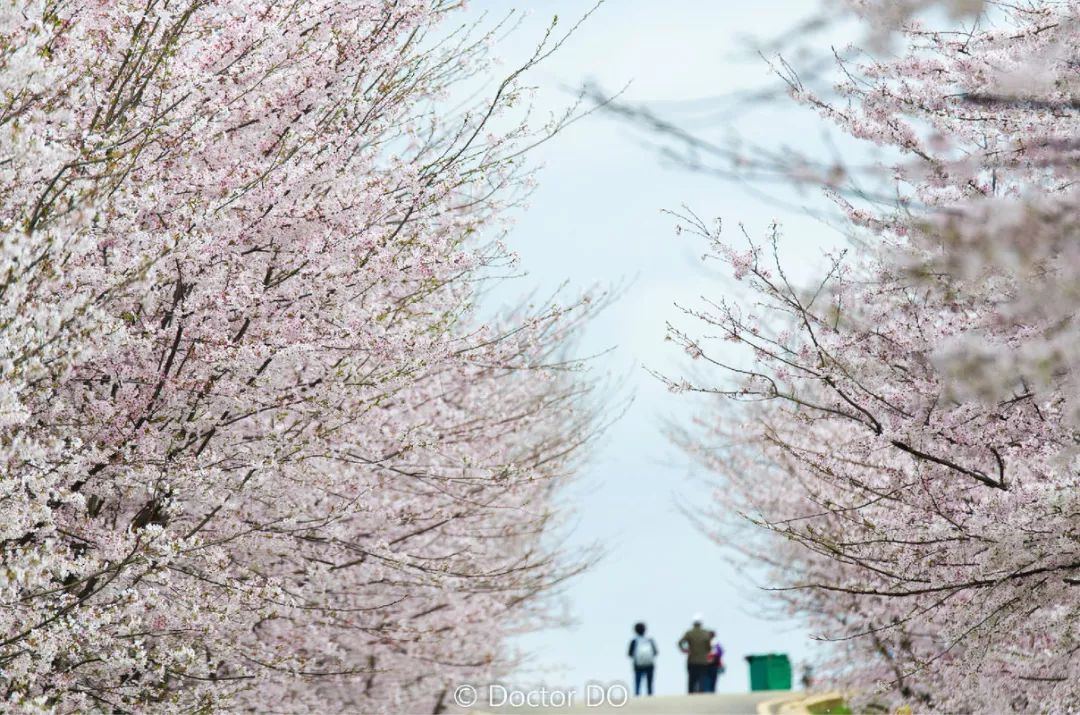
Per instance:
x=596, y=219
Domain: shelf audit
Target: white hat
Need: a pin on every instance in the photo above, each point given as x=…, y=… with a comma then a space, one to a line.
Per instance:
x=698, y=618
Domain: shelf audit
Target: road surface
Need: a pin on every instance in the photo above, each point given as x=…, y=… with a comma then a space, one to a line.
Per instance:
x=704, y=704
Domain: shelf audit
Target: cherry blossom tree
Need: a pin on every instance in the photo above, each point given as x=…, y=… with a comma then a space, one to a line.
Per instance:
x=901, y=432
x=259, y=450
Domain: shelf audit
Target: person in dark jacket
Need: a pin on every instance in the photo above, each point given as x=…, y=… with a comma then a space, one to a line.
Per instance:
x=643, y=655
x=696, y=643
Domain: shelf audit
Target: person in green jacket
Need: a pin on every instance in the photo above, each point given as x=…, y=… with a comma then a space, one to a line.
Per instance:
x=696, y=644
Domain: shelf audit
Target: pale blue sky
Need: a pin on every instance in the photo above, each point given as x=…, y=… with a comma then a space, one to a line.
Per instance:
x=596, y=218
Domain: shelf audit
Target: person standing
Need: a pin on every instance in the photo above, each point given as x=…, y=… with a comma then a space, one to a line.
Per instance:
x=643, y=655
x=716, y=663
x=696, y=644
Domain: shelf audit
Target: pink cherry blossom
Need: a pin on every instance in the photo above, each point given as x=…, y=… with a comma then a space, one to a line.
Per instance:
x=258, y=449
x=897, y=443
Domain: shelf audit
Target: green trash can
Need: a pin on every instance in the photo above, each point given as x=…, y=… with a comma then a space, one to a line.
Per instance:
x=769, y=672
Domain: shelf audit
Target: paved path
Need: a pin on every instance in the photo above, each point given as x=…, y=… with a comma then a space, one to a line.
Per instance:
x=720, y=704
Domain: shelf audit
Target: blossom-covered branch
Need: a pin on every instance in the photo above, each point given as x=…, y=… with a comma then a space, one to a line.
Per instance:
x=256, y=445
x=907, y=424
